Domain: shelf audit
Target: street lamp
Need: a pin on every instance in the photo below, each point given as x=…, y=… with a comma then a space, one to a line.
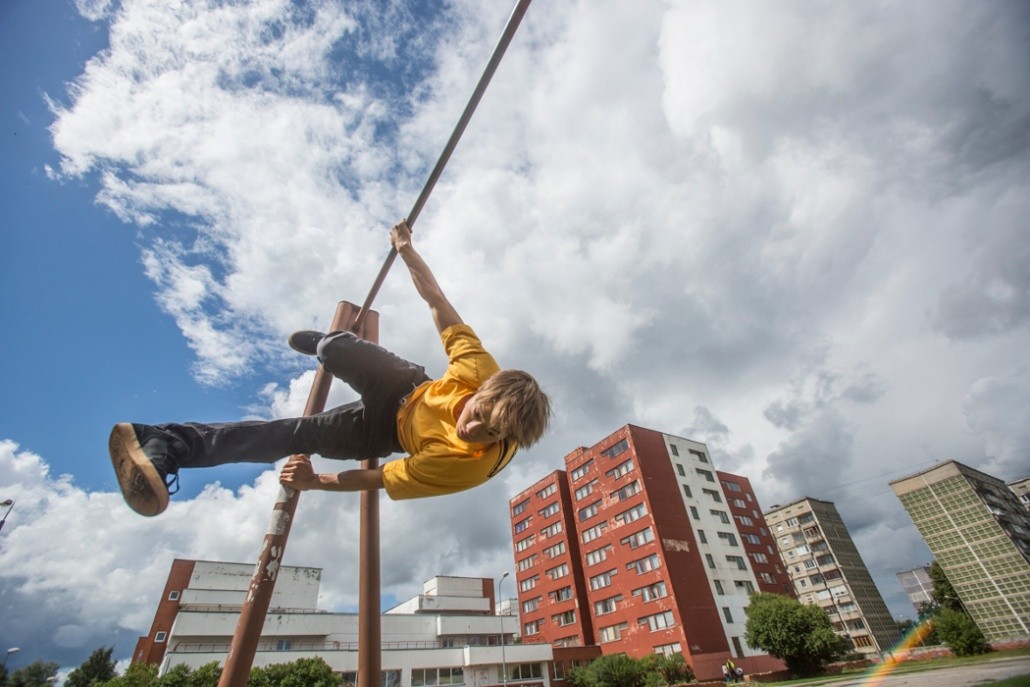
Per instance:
x=8, y=504
x=12, y=650
x=504, y=662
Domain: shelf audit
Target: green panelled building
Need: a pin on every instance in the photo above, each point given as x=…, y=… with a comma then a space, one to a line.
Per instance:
x=979, y=532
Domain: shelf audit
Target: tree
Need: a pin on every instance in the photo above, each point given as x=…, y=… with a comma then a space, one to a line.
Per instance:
x=304, y=672
x=800, y=635
x=136, y=675
x=958, y=631
x=35, y=674
x=95, y=670
x=660, y=670
x=943, y=594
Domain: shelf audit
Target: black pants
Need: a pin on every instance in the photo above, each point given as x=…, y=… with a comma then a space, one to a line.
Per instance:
x=360, y=430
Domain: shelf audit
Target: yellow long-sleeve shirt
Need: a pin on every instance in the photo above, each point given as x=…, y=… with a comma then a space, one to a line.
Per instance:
x=439, y=461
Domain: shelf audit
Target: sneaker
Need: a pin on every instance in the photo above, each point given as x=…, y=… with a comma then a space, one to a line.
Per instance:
x=145, y=466
x=306, y=341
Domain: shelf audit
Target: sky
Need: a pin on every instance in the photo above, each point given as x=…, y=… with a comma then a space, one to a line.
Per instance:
x=794, y=231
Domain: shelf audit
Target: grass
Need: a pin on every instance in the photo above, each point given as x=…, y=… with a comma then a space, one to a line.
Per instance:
x=923, y=665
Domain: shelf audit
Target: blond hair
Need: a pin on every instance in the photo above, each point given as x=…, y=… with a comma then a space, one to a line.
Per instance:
x=520, y=409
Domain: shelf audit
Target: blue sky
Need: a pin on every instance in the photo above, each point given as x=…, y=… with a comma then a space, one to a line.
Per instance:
x=793, y=232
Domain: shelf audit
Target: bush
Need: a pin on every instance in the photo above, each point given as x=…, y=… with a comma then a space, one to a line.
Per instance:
x=958, y=631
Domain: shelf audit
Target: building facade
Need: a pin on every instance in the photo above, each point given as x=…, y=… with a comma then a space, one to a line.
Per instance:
x=918, y=586
x=827, y=571
x=979, y=532
x=640, y=546
x=448, y=635
x=1021, y=488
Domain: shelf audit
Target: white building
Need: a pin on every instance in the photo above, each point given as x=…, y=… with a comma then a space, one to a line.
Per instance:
x=448, y=635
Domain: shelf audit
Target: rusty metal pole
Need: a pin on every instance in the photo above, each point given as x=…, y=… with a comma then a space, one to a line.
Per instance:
x=255, y=605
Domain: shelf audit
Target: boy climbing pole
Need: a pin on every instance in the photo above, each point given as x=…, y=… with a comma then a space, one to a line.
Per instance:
x=458, y=431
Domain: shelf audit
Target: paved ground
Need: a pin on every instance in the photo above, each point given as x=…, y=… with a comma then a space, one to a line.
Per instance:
x=963, y=676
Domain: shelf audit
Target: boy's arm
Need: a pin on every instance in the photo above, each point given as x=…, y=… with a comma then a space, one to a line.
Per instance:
x=444, y=314
x=298, y=474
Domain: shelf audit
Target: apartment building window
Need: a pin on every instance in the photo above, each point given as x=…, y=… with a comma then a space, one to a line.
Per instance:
x=699, y=455
x=855, y=624
x=752, y=539
x=686, y=491
x=558, y=571
x=565, y=618
x=721, y=515
x=621, y=469
x=527, y=563
x=551, y=530
x=739, y=503
x=160, y=637
x=728, y=537
x=590, y=511
x=522, y=525
x=523, y=544
x=532, y=628
x=563, y=594
x=862, y=641
x=594, y=532
x=607, y=605
x=596, y=556
x=674, y=450
x=737, y=647
x=425, y=677
x=528, y=583
x=519, y=507
x=715, y=496
x=709, y=560
x=556, y=550
x=549, y=510
x=737, y=561
x=524, y=671
x=744, y=586
x=759, y=557
x=531, y=604
x=680, y=470
x=612, y=632
x=638, y=539
x=718, y=587
x=707, y=474
x=651, y=592
x=547, y=491
x=582, y=470
x=645, y=564
x=632, y=514
x=603, y=580
x=694, y=514
x=586, y=489
x=627, y=491
x=668, y=649
x=825, y=559
x=730, y=486
x=701, y=537
x=173, y=596
x=615, y=450
x=658, y=621
x=726, y=614
x=767, y=578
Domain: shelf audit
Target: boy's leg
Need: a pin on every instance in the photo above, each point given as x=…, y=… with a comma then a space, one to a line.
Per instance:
x=147, y=458
x=368, y=368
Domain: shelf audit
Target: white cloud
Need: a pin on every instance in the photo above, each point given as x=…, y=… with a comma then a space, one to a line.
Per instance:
x=795, y=230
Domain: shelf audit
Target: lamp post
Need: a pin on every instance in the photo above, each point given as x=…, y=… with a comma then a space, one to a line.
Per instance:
x=12, y=650
x=8, y=504
x=504, y=662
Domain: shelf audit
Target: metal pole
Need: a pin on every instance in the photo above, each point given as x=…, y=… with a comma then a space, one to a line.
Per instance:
x=495, y=59
x=9, y=504
x=255, y=605
x=504, y=661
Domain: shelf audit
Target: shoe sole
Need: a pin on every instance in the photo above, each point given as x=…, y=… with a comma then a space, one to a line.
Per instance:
x=141, y=484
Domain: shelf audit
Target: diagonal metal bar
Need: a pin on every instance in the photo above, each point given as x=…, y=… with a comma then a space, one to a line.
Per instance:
x=495, y=59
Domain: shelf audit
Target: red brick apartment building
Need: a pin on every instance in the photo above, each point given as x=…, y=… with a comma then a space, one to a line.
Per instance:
x=641, y=546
